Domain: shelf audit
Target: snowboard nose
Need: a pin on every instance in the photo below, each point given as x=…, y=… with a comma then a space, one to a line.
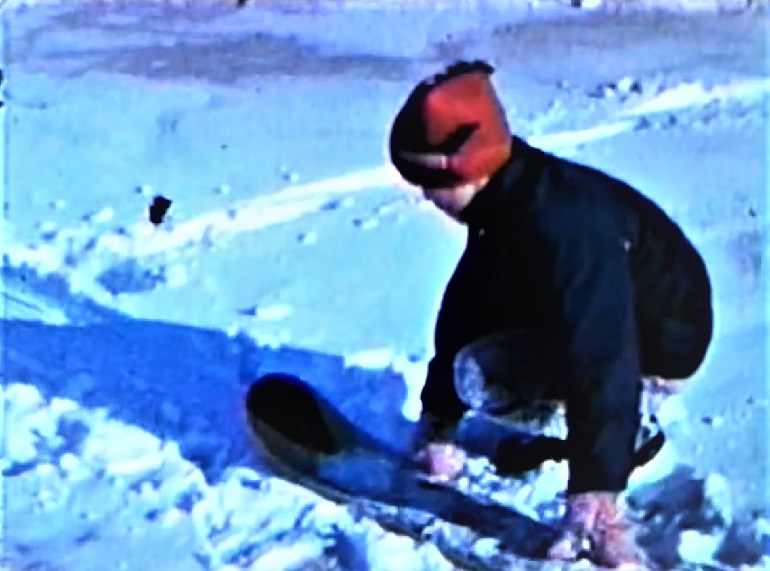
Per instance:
x=293, y=427
x=283, y=404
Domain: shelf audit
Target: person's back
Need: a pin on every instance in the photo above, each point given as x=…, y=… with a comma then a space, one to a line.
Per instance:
x=672, y=290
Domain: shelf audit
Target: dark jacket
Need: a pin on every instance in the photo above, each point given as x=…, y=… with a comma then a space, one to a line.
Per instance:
x=596, y=273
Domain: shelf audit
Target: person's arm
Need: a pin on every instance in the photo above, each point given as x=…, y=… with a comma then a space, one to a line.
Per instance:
x=452, y=333
x=587, y=298
x=439, y=397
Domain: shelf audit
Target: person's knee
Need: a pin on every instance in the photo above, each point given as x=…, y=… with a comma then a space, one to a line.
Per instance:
x=677, y=352
x=503, y=369
x=686, y=364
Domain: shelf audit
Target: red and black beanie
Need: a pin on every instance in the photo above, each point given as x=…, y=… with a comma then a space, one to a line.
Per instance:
x=456, y=113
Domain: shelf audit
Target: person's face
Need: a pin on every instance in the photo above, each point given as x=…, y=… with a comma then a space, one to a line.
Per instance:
x=453, y=200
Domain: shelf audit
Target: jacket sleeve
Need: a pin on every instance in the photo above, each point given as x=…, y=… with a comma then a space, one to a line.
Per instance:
x=583, y=281
x=439, y=397
x=452, y=332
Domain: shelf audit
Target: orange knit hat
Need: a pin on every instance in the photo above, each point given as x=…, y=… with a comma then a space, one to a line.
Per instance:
x=451, y=129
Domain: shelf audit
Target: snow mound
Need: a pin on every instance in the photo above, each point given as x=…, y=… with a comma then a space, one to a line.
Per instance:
x=85, y=484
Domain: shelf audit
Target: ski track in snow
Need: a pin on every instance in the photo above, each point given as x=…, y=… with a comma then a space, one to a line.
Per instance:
x=102, y=248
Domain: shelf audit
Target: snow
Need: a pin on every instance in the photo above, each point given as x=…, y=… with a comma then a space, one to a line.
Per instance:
x=698, y=548
x=695, y=94
x=290, y=245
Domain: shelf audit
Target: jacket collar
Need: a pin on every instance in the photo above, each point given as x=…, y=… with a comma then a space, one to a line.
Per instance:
x=507, y=187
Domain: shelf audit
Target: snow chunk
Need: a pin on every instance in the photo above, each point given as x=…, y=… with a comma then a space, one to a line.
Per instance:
x=225, y=528
x=486, y=547
x=42, y=423
x=373, y=359
x=517, y=499
x=290, y=556
x=326, y=516
x=73, y=469
x=20, y=448
x=182, y=480
x=60, y=406
x=22, y=398
x=69, y=462
x=138, y=453
x=47, y=226
x=172, y=517
x=273, y=312
x=30, y=420
x=145, y=464
x=101, y=216
x=698, y=548
x=553, y=481
x=393, y=552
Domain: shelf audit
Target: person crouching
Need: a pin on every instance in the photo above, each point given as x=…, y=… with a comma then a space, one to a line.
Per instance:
x=590, y=284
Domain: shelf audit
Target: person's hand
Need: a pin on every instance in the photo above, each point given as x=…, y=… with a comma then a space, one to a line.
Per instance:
x=594, y=524
x=441, y=462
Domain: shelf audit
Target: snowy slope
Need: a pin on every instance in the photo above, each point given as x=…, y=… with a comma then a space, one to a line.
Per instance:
x=289, y=245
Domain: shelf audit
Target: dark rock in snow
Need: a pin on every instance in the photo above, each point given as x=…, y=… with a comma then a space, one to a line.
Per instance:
x=158, y=209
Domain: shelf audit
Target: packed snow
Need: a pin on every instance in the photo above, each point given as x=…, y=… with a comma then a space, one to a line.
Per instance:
x=291, y=245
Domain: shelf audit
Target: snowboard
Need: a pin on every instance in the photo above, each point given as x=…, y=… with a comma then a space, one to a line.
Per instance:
x=306, y=440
